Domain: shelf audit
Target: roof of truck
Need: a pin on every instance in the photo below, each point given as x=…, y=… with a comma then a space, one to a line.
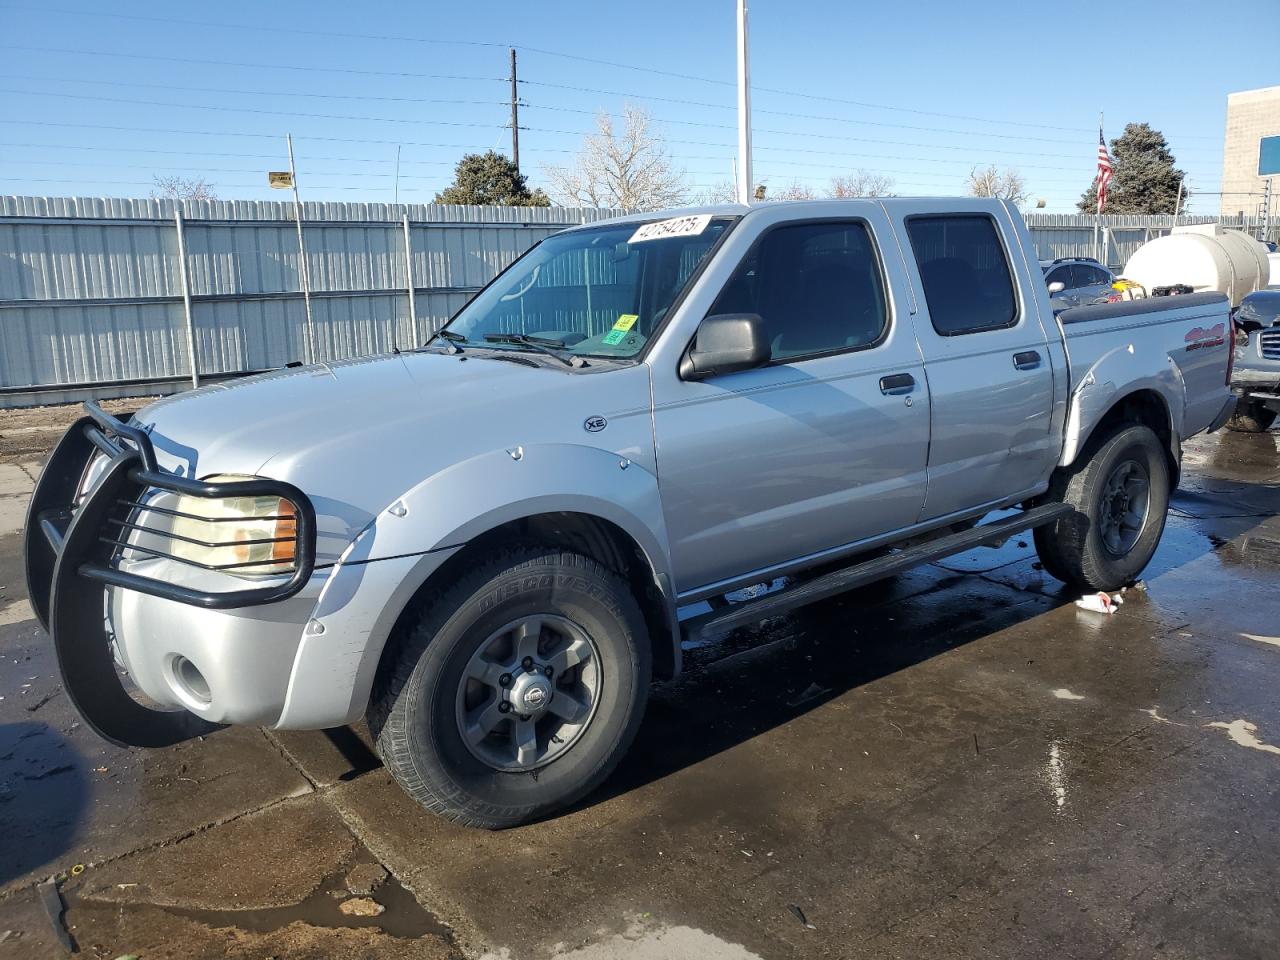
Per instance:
x=822, y=207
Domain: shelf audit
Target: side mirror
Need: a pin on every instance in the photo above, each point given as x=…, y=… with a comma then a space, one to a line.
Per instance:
x=1056, y=287
x=726, y=343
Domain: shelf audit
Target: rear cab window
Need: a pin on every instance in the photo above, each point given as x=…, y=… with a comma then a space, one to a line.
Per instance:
x=964, y=269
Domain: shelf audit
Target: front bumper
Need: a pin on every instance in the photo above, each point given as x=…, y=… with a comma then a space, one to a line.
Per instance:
x=93, y=566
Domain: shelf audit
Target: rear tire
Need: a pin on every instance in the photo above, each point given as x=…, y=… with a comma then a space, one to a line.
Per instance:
x=1251, y=417
x=1119, y=487
x=450, y=706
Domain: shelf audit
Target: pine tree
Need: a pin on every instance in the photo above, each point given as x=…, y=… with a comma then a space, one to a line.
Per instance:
x=490, y=179
x=1145, y=179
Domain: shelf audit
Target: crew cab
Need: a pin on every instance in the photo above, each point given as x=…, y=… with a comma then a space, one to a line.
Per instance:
x=485, y=544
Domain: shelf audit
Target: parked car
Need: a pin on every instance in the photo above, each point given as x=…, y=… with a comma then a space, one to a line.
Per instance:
x=1083, y=281
x=484, y=543
x=1256, y=380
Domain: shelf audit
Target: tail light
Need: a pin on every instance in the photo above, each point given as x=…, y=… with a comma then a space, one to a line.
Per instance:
x=1231, y=347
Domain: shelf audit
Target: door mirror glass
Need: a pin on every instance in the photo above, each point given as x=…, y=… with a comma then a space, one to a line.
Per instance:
x=1056, y=287
x=726, y=343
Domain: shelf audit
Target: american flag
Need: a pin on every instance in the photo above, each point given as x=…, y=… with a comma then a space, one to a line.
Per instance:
x=1104, y=171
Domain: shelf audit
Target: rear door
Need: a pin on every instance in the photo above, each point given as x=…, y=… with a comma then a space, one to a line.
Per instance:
x=825, y=445
x=986, y=353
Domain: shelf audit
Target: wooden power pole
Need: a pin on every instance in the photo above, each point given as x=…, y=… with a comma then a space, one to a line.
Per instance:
x=515, y=115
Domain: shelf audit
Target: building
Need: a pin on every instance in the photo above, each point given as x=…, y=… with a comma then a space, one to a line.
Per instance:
x=1251, y=115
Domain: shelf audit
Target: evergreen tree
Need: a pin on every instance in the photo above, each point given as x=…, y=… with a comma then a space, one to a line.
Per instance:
x=1145, y=179
x=490, y=179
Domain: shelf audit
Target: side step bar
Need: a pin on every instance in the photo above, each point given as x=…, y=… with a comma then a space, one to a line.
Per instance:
x=708, y=626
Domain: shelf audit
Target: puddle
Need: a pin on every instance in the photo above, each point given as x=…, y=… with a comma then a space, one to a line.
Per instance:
x=403, y=918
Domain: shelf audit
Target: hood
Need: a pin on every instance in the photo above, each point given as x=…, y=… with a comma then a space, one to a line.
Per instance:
x=356, y=435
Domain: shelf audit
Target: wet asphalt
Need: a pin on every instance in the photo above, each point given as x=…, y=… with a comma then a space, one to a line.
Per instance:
x=954, y=763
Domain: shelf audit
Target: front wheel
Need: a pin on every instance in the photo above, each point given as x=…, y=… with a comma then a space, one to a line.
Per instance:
x=515, y=690
x=1119, y=488
x=1251, y=417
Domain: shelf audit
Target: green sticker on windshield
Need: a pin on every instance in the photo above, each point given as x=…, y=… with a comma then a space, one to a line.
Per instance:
x=625, y=323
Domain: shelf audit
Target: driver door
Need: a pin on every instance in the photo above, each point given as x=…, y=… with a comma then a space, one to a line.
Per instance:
x=825, y=445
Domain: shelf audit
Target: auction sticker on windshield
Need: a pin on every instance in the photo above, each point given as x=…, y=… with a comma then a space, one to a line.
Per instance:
x=689, y=226
x=619, y=331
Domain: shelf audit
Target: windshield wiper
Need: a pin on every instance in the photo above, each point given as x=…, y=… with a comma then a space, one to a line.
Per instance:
x=541, y=344
x=451, y=340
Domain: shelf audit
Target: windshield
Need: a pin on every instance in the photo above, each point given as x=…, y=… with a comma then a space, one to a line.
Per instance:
x=598, y=292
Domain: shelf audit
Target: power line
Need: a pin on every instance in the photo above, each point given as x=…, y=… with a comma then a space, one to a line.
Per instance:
x=255, y=66
x=255, y=93
x=259, y=110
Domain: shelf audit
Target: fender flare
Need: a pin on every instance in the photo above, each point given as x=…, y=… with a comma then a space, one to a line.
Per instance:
x=412, y=537
x=1115, y=376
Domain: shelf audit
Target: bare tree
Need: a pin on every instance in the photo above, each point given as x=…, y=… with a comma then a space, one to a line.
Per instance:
x=1002, y=184
x=862, y=183
x=182, y=188
x=724, y=192
x=628, y=168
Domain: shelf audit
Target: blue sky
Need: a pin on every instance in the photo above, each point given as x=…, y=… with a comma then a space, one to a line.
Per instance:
x=97, y=102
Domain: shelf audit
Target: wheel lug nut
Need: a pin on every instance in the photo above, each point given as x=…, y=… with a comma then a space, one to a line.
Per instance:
x=527, y=663
x=504, y=707
x=504, y=680
x=548, y=671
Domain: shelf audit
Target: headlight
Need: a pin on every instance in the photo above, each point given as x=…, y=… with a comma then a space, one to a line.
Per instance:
x=243, y=535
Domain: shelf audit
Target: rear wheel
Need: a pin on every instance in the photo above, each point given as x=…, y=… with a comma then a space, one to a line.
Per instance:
x=1251, y=417
x=1119, y=488
x=516, y=690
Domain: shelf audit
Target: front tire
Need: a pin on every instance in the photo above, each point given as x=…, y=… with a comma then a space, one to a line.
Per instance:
x=1119, y=487
x=515, y=690
x=1251, y=417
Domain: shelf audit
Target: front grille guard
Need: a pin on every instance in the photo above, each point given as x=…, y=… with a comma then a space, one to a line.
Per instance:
x=73, y=542
x=133, y=474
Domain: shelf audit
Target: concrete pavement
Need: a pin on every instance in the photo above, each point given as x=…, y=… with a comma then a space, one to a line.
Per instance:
x=959, y=763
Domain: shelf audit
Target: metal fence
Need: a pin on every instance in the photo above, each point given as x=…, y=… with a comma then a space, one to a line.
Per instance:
x=1073, y=235
x=104, y=297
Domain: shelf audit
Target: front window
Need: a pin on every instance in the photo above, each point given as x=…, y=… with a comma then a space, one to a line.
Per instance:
x=599, y=292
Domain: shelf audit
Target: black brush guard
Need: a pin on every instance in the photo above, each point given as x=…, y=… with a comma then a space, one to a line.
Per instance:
x=71, y=550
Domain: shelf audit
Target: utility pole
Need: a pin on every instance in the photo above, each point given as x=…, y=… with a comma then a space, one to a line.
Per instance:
x=304, y=271
x=515, y=115
x=745, y=186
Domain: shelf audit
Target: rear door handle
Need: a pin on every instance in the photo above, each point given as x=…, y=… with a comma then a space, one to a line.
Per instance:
x=897, y=384
x=1027, y=360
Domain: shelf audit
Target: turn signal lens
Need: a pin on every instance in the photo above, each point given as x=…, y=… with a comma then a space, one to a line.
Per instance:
x=241, y=535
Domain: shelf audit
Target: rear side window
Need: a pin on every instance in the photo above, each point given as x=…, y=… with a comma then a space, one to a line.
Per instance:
x=817, y=286
x=965, y=273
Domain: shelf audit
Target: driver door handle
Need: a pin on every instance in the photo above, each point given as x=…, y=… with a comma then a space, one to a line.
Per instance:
x=897, y=384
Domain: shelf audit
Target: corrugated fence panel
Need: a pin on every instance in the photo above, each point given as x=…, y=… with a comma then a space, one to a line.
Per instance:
x=90, y=288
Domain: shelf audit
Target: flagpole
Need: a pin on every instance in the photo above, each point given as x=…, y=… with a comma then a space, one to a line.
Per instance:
x=1097, y=217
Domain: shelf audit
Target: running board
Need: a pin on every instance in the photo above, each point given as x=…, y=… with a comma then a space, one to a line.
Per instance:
x=719, y=622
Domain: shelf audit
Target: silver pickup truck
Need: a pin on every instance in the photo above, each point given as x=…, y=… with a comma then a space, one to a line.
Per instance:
x=485, y=544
